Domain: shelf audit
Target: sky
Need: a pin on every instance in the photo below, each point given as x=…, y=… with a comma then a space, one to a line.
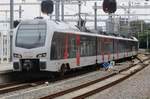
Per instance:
x=32, y=11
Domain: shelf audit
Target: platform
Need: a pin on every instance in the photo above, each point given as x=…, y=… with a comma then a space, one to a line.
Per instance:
x=6, y=67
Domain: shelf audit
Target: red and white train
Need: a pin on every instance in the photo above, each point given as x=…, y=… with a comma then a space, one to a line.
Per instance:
x=46, y=45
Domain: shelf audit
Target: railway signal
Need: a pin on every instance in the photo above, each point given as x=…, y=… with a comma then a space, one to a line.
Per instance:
x=109, y=6
x=47, y=7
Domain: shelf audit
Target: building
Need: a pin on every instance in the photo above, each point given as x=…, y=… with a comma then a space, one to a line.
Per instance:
x=118, y=26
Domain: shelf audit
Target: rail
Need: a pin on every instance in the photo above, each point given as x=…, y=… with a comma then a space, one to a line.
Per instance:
x=122, y=75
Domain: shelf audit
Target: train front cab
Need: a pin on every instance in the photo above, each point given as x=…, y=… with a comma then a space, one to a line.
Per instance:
x=29, y=46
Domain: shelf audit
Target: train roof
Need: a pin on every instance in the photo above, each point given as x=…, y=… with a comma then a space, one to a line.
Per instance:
x=64, y=27
x=37, y=21
x=100, y=35
x=57, y=25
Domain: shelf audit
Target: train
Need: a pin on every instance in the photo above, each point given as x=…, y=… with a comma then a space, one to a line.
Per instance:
x=55, y=46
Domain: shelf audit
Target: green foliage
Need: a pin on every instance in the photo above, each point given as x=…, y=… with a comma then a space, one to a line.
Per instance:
x=143, y=39
x=142, y=28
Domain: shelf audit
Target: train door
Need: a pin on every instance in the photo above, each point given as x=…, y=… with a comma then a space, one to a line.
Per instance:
x=116, y=49
x=87, y=50
x=108, y=49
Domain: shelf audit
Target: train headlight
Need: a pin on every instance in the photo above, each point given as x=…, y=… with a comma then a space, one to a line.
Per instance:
x=41, y=55
x=17, y=55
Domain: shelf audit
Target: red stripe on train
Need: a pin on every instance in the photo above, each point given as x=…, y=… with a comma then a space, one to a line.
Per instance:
x=108, y=55
x=78, y=49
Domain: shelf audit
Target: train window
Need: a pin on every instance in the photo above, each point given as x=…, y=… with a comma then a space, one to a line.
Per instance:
x=107, y=45
x=122, y=46
x=111, y=46
x=72, y=46
x=31, y=35
x=98, y=46
x=87, y=46
x=53, y=50
x=83, y=46
x=63, y=42
x=58, y=46
x=116, y=45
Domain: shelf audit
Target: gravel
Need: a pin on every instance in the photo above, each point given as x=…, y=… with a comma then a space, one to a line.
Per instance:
x=36, y=92
x=40, y=91
x=136, y=87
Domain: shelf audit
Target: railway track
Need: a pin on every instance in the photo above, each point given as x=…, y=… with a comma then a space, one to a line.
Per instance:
x=18, y=86
x=96, y=86
x=10, y=87
x=15, y=86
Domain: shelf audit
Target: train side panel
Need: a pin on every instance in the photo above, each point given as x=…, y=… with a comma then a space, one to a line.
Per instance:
x=82, y=50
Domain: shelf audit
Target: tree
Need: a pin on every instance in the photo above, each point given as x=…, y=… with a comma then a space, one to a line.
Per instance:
x=141, y=28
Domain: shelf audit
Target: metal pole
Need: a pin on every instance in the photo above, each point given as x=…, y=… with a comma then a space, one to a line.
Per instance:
x=119, y=30
x=129, y=3
x=141, y=26
x=79, y=14
x=139, y=34
x=50, y=16
x=62, y=10
x=147, y=41
x=20, y=12
x=110, y=24
x=57, y=10
x=39, y=10
x=95, y=10
x=11, y=26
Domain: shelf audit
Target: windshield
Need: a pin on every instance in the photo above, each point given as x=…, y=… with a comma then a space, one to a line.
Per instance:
x=31, y=35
